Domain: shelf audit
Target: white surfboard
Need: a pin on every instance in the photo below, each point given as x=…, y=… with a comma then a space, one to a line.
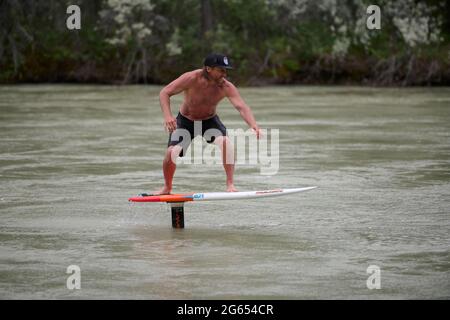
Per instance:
x=207, y=196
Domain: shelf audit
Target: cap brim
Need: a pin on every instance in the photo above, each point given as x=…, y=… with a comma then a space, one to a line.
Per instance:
x=225, y=67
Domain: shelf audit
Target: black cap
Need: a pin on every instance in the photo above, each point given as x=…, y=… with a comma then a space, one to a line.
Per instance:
x=217, y=60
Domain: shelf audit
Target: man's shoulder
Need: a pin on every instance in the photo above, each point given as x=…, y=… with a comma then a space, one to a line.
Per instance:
x=228, y=83
x=190, y=77
x=193, y=74
x=228, y=86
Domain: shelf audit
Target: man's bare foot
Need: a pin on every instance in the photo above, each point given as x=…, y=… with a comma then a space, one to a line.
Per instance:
x=231, y=188
x=163, y=190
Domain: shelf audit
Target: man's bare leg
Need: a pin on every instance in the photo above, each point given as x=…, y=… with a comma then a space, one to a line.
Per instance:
x=227, y=149
x=169, y=168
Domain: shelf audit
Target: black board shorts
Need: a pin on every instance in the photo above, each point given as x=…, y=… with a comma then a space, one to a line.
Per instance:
x=214, y=123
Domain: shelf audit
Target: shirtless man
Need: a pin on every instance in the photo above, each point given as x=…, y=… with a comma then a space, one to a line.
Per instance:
x=203, y=90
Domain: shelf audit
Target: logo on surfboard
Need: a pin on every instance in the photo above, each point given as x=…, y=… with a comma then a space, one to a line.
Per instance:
x=269, y=191
x=198, y=196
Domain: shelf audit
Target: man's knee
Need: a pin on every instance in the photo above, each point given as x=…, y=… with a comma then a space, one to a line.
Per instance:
x=172, y=153
x=223, y=141
x=227, y=148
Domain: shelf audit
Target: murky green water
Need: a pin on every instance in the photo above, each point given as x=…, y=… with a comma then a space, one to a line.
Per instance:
x=70, y=156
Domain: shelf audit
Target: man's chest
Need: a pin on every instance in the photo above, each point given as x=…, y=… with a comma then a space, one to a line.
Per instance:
x=206, y=95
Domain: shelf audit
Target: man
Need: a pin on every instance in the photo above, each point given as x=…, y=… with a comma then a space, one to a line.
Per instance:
x=203, y=90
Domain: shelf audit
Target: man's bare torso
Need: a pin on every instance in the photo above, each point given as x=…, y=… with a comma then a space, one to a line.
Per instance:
x=202, y=97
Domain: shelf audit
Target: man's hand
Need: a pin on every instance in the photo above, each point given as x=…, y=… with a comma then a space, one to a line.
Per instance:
x=170, y=124
x=258, y=132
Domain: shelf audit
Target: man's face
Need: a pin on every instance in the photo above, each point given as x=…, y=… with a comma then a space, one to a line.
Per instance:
x=217, y=73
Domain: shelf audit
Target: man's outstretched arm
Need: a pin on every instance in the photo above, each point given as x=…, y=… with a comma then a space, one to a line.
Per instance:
x=245, y=111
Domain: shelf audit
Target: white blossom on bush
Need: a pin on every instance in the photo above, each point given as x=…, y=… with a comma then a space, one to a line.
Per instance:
x=130, y=18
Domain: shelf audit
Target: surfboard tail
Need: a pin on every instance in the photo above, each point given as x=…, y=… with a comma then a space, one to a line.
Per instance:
x=163, y=198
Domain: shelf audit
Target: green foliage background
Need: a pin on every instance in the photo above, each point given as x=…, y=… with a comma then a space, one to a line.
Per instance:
x=268, y=41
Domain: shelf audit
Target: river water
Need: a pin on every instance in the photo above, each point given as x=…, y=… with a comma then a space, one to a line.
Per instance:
x=71, y=155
